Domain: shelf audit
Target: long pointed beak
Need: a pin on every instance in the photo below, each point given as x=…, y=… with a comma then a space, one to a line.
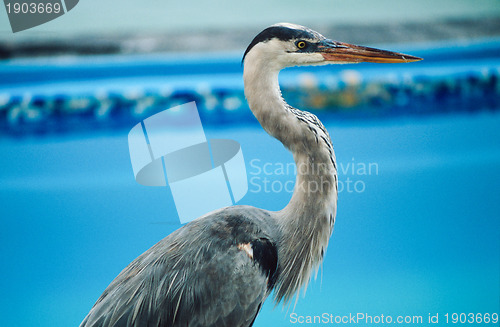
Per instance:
x=350, y=53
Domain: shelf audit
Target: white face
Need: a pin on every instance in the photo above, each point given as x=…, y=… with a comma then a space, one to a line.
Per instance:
x=280, y=54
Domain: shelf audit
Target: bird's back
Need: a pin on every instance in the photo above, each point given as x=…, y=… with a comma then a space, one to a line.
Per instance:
x=214, y=271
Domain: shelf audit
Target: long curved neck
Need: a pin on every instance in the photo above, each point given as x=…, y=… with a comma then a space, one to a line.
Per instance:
x=307, y=221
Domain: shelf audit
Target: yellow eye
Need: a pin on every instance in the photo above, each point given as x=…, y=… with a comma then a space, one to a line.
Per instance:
x=301, y=44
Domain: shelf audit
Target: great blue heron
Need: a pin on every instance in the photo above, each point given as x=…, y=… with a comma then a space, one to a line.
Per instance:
x=219, y=269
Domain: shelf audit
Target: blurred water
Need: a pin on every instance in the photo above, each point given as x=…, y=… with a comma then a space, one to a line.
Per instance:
x=420, y=234
x=422, y=237
x=153, y=17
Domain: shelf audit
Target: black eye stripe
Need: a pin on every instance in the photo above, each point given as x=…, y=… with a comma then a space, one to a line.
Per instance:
x=305, y=46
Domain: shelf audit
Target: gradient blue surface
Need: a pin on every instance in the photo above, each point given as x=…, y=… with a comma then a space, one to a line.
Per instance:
x=422, y=237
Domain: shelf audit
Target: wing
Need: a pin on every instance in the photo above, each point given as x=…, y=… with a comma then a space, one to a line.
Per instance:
x=215, y=271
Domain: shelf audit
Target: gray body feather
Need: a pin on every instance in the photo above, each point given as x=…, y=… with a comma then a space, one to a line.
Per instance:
x=174, y=283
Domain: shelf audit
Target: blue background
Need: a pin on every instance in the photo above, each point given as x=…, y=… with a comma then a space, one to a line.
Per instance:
x=422, y=238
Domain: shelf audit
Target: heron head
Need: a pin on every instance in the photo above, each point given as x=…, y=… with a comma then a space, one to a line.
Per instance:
x=284, y=45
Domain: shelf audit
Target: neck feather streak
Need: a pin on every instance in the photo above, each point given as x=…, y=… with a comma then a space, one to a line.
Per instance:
x=307, y=221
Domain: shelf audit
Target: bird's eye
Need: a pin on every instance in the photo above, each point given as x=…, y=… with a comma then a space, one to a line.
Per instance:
x=301, y=44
